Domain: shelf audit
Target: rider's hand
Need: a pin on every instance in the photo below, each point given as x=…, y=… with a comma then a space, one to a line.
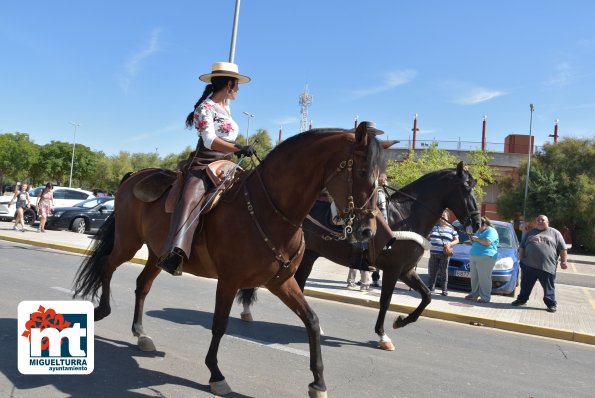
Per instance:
x=246, y=150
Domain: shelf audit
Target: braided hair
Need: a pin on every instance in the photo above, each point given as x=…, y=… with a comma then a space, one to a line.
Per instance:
x=217, y=84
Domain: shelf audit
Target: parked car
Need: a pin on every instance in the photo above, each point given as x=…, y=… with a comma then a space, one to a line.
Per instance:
x=87, y=216
x=506, y=274
x=63, y=197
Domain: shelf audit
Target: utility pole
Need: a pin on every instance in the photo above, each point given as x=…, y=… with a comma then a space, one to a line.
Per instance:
x=72, y=158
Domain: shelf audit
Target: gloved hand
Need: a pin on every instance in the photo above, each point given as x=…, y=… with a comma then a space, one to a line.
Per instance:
x=245, y=150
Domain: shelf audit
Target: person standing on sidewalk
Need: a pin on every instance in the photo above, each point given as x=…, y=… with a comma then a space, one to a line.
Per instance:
x=23, y=202
x=45, y=205
x=442, y=238
x=483, y=254
x=539, y=252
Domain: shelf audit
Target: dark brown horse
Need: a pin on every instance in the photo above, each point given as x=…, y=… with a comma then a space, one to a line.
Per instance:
x=262, y=215
x=416, y=208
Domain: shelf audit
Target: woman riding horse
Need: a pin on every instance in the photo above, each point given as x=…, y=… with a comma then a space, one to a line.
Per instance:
x=216, y=131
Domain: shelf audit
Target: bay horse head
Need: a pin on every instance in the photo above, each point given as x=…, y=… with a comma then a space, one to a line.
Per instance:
x=353, y=184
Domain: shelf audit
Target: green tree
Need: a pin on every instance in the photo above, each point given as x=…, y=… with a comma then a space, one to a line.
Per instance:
x=478, y=163
x=141, y=161
x=262, y=145
x=401, y=173
x=560, y=186
x=85, y=164
x=414, y=166
x=171, y=161
x=54, y=162
x=17, y=154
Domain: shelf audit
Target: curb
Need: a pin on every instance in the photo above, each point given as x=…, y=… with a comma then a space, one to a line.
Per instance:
x=560, y=334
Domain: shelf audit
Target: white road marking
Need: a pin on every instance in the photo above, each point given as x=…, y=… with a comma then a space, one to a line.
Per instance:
x=63, y=289
x=273, y=346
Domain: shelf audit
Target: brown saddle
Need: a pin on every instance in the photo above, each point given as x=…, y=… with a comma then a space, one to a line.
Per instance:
x=155, y=185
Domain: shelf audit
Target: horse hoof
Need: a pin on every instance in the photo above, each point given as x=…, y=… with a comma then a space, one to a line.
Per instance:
x=399, y=322
x=313, y=393
x=220, y=387
x=246, y=317
x=100, y=313
x=386, y=345
x=145, y=343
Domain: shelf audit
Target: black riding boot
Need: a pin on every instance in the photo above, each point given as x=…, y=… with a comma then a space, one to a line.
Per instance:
x=359, y=259
x=172, y=262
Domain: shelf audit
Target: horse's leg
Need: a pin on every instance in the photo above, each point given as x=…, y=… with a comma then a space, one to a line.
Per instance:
x=143, y=285
x=223, y=304
x=247, y=298
x=110, y=263
x=390, y=275
x=413, y=280
x=305, y=268
x=289, y=292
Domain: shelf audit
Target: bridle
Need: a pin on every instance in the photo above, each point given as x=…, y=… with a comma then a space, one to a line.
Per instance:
x=348, y=215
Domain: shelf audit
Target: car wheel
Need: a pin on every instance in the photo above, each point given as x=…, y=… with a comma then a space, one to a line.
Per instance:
x=79, y=226
x=518, y=281
x=29, y=216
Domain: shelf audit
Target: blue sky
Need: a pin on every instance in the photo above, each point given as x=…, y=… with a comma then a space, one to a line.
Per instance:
x=127, y=71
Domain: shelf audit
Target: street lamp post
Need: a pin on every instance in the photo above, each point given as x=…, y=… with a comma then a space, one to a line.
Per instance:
x=72, y=159
x=528, y=168
x=249, y=116
x=234, y=32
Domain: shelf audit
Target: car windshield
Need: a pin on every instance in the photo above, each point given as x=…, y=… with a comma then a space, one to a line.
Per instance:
x=89, y=203
x=35, y=191
x=504, y=235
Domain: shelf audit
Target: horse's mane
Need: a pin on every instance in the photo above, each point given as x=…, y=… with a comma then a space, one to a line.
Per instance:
x=433, y=175
x=376, y=157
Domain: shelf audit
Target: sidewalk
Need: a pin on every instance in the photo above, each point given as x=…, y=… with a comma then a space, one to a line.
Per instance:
x=574, y=320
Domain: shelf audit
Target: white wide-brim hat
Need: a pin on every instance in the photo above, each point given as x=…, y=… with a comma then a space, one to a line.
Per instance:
x=224, y=69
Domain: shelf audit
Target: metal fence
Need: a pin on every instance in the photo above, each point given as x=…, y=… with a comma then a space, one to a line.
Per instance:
x=463, y=145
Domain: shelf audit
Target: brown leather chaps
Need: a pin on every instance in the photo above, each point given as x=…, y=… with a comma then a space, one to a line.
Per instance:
x=185, y=217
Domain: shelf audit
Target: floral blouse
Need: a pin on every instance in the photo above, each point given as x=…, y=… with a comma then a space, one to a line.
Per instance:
x=212, y=121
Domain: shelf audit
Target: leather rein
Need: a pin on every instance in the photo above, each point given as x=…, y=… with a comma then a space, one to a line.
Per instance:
x=347, y=215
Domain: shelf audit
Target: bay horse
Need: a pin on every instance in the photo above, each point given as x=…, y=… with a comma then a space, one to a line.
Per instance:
x=262, y=215
x=416, y=208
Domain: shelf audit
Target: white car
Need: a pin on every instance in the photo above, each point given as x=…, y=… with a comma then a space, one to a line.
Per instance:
x=63, y=197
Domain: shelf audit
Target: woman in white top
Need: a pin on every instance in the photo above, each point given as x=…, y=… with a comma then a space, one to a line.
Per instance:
x=217, y=132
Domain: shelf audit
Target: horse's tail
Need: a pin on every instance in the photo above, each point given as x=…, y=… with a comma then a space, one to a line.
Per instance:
x=89, y=275
x=246, y=296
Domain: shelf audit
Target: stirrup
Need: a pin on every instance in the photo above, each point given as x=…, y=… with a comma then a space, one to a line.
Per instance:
x=172, y=263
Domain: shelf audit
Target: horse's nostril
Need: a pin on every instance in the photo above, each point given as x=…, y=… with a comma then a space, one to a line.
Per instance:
x=367, y=233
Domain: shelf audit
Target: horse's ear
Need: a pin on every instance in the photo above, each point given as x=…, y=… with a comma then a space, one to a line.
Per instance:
x=388, y=143
x=461, y=168
x=361, y=134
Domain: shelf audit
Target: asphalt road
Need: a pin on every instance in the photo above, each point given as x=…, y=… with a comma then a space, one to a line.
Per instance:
x=269, y=357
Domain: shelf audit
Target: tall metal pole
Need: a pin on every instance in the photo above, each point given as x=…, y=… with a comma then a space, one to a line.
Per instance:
x=72, y=159
x=234, y=32
x=483, y=134
x=555, y=135
x=528, y=168
x=415, y=129
x=250, y=116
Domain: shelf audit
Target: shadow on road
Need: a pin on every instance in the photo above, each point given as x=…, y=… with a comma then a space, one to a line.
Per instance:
x=116, y=372
x=261, y=331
